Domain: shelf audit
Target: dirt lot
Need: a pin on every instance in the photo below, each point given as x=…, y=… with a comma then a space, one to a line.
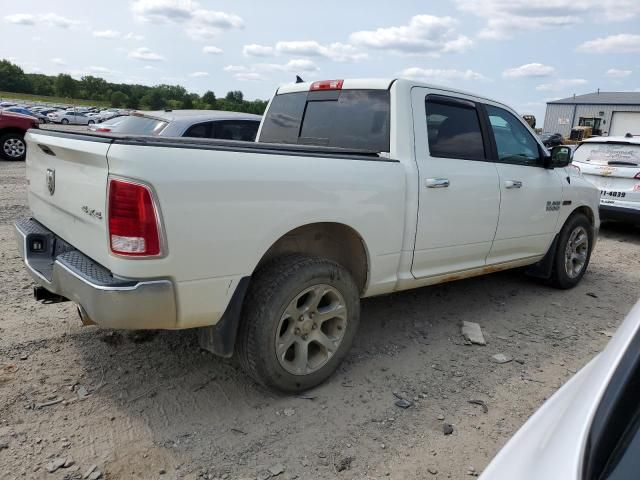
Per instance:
x=153, y=405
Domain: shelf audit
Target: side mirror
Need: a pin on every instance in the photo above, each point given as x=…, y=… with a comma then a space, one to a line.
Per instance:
x=560, y=157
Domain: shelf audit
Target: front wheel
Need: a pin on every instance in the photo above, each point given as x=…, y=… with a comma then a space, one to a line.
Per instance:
x=573, y=252
x=64, y=121
x=299, y=319
x=91, y=122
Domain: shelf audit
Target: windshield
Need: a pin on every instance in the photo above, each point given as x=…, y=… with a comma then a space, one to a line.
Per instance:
x=356, y=119
x=608, y=154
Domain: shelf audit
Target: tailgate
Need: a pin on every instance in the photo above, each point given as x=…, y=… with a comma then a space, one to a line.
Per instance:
x=67, y=177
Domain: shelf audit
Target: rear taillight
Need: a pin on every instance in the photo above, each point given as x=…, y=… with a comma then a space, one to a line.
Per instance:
x=103, y=129
x=134, y=228
x=327, y=85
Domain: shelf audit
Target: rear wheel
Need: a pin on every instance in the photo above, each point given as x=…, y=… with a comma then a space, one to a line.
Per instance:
x=91, y=122
x=13, y=146
x=573, y=252
x=64, y=121
x=299, y=319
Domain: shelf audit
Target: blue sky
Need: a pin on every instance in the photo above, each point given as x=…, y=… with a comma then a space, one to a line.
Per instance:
x=522, y=52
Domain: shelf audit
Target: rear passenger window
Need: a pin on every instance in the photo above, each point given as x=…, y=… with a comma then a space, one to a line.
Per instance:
x=454, y=130
x=243, y=130
x=201, y=130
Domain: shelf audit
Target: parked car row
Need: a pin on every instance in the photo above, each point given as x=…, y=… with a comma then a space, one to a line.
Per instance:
x=63, y=114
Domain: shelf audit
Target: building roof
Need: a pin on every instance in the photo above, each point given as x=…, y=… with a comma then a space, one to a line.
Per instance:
x=601, y=98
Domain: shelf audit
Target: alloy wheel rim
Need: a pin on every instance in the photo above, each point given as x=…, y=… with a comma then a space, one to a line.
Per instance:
x=575, y=256
x=311, y=329
x=14, y=147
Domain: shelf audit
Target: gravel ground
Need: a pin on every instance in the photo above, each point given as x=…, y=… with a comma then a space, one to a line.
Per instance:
x=152, y=405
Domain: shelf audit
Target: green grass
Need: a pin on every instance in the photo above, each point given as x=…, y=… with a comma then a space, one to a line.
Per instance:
x=57, y=100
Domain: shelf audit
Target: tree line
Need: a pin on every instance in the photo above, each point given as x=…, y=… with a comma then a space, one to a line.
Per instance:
x=121, y=95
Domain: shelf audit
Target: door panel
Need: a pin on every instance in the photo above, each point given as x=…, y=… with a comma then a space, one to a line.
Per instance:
x=458, y=197
x=531, y=195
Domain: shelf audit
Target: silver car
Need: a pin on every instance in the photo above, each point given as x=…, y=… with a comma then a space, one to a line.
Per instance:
x=71, y=118
x=186, y=123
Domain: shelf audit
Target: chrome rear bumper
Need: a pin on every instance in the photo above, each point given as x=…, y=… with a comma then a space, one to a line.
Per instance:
x=104, y=298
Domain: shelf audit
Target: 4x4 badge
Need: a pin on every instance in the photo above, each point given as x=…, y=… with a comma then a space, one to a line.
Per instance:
x=51, y=180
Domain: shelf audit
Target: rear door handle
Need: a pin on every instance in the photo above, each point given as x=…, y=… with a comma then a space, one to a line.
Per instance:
x=512, y=184
x=437, y=182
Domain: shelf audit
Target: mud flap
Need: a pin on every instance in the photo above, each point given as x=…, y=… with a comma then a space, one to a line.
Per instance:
x=544, y=267
x=220, y=338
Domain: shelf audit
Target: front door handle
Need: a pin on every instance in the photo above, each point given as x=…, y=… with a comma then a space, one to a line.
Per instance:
x=437, y=182
x=512, y=184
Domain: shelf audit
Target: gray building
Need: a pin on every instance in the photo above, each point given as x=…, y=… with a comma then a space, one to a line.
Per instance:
x=608, y=113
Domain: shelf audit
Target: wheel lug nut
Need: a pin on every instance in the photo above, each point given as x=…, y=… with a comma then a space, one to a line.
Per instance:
x=314, y=326
x=304, y=337
x=339, y=327
x=297, y=331
x=301, y=318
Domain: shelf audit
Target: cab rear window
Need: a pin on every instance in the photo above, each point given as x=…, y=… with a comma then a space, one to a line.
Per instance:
x=356, y=119
x=608, y=153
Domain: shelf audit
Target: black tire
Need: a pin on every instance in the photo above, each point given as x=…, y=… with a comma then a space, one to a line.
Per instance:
x=91, y=122
x=274, y=287
x=560, y=277
x=13, y=147
x=64, y=121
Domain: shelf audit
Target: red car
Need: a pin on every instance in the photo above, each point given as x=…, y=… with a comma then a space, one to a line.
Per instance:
x=13, y=126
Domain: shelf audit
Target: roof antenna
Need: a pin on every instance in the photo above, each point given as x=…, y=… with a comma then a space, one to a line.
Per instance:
x=298, y=79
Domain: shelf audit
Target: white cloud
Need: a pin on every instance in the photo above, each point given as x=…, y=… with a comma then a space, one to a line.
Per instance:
x=561, y=84
x=199, y=74
x=107, y=34
x=257, y=71
x=440, y=75
x=529, y=70
x=102, y=70
x=425, y=34
x=621, y=43
x=252, y=76
x=59, y=61
x=339, y=52
x=198, y=22
x=616, y=73
x=255, y=50
x=21, y=19
x=145, y=54
x=48, y=19
x=133, y=36
x=505, y=17
x=211, y=50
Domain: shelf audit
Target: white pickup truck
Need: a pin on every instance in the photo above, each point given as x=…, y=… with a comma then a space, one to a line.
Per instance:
x=354, y=188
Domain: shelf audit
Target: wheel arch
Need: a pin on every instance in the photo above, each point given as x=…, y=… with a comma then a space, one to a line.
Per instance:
x=584, y=209
x=5, y=131
x=332, y=240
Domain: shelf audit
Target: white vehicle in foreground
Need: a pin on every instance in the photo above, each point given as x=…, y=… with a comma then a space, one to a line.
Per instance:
x=613, y=165
x=590, y=428
x=354, y=188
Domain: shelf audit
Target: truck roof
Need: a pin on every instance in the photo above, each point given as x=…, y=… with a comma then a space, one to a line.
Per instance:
x=378, y=84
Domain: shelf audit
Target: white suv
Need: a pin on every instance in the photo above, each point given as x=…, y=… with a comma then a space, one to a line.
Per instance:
x=613, y=165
